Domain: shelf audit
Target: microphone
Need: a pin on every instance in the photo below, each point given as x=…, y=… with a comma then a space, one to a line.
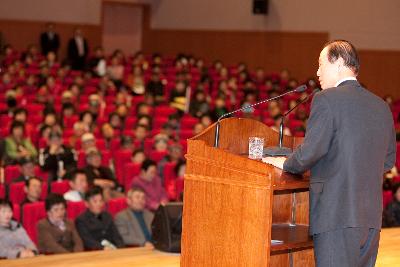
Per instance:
x=280, y=150
x=299, y=89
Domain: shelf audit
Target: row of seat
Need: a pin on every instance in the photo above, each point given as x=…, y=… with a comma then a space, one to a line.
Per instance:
x=125, y=177
x=32, y=213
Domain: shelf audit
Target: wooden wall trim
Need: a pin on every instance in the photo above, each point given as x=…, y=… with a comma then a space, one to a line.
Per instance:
x=20, y=34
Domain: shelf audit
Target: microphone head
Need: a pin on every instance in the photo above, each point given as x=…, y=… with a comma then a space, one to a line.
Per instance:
x=301, y=88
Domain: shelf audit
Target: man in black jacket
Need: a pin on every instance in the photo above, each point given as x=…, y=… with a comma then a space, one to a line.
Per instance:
x=49, y=40
x=57, y=158
x=95, y=226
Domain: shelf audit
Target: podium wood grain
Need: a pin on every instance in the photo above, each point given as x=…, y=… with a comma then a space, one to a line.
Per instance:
x=233, y=205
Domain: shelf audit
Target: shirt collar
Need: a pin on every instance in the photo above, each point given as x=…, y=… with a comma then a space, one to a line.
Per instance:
x=345, y=79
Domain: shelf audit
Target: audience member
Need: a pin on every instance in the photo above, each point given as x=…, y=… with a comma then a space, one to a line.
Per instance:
x=49, y=40
x=27, y=168
x=56, y=158
x=101, y=176
x=138, y=156
x=78, y=186
x=151, y=184
x=17, y=146
x=95, y=226
x=134, y=222
x=77, y=50
x=15, y=243
x=33, y=190
x=56, y=234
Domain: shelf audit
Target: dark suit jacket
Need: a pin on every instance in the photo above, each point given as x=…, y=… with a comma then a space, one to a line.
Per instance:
x=53, y=240
x=129, y=227
x=48, y=44
x=73, y=53
x=349, y=143
x=93, y=229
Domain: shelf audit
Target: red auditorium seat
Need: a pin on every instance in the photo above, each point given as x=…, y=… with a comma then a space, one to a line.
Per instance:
x=387, y=198
x=169, y=180
x=70, y=121
x=164, y=111
x=17, y=212
x=74, y=209
x=17, y=193
x=121, y=157
x=186, y=134
x=2, y=191
x=131, y=170
x=130, y=122
x=44, y=175
x=32, y=213
x=159, y=120
x=60, y=187
x=116, y=205
x=11, y=172
x=157, y=155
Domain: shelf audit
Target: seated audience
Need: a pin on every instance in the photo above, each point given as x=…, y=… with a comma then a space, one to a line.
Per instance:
x=95, y=226
x=57, y=234
x=100, y=175
x=138, y=156
x=17, y=146
x=134, y=222
x=151, y=184
x=33, y=190
x=88, y=141
x=15, y=242
x=56, y=158
x=393, y=209
x=78, y=186
x=27, y=167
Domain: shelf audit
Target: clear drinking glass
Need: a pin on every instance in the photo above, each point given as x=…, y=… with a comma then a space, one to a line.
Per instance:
x=256, y=146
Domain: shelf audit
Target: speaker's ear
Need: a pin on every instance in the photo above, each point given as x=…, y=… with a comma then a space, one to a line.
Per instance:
x=166, y=227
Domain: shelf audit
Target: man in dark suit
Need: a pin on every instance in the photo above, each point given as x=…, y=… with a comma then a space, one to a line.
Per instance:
x=49, y=40
x=349, y=144
x=78, y=50
x=95, y=226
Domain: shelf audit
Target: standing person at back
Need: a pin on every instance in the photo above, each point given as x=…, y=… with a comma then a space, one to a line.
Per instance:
x=349, y=144
x=49, y=40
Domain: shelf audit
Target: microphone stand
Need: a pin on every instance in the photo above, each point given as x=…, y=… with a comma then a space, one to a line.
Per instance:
x=299, y=89
x=281, y=150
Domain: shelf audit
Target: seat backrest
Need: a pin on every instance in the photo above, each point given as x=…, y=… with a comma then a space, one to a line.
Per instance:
x=116, y=205
x=60, y=187
x=17, y=212
x=157, y=155
x=32, y=213
x=121, y=157
x=2, y=191
x=11, y=172
x=131, y=170
x=74, y=209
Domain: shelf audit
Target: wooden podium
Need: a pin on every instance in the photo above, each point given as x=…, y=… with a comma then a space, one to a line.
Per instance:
x=234, y=206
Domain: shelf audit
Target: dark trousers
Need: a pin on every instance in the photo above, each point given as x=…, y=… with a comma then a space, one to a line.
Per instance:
x=348, y=247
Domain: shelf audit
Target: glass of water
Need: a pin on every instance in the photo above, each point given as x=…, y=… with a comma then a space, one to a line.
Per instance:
x=256, y=146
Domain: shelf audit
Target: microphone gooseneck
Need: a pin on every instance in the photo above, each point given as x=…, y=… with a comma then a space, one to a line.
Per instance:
x=299, y=89
x=280, y=150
